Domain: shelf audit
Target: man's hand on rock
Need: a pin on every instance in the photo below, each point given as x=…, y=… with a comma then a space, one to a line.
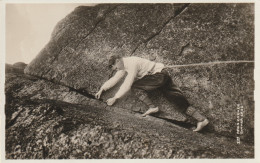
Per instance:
x=99, y=93
x=111, y=101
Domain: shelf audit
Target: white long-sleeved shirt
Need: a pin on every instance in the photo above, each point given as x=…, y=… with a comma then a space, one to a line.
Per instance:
x=136, y=68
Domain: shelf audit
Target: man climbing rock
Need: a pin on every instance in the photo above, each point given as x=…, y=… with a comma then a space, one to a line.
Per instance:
x=147, y=75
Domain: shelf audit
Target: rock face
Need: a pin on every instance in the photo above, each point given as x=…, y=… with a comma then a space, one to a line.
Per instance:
x=45, y=120
x=81, y=43
x=50, y=109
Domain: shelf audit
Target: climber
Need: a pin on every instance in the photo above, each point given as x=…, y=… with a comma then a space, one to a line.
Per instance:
x=147, y=75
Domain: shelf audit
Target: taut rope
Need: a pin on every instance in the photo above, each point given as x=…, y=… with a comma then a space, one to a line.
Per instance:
x=209, y=63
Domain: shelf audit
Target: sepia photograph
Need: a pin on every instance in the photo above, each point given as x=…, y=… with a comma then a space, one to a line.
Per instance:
x=129, y=81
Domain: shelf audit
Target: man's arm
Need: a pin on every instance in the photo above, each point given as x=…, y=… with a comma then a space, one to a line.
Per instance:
x=126, y=86
x=111, y=82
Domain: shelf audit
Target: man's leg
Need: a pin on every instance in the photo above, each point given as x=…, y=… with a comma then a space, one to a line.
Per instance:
x=202, y=120
x=175, y=95
x=146, y=100
x=146, y=84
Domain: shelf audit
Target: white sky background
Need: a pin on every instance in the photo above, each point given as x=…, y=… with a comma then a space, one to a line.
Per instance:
x=29, y=27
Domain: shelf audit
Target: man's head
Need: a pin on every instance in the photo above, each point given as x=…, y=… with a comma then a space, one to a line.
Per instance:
x=115, y=62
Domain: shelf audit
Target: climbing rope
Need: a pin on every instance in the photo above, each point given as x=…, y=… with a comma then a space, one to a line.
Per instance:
x=209, y=63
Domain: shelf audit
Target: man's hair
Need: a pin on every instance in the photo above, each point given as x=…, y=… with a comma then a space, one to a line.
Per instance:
x=113, y=59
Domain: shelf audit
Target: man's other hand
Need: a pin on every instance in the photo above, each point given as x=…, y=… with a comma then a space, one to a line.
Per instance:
x=111, y=101
x=99, y=94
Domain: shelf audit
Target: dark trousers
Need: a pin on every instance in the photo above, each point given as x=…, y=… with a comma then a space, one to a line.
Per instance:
x=163, y=82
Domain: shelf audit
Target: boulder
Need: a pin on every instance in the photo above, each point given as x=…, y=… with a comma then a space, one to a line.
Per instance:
x=16, y=67
x=174, y=34
x=20, y=65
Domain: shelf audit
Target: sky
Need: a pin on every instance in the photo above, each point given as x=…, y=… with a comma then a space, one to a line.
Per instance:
x=29, y=27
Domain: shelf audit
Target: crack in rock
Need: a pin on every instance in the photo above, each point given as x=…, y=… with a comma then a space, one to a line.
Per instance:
x=95, y=26
x=178, y=12
x=91, y=31
x=182, y=48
